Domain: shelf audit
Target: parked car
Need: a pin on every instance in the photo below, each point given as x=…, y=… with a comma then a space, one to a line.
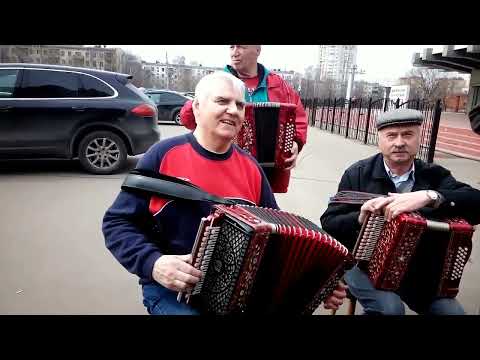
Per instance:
x=168, y=104
x=189, y=94
x=50, y=111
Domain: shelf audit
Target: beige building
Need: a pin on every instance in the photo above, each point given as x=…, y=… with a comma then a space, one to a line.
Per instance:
x=97, y=57
x=177, y=76
x=288, y=76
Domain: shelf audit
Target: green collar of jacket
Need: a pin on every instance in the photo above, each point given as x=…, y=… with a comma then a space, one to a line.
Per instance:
x=261, y=92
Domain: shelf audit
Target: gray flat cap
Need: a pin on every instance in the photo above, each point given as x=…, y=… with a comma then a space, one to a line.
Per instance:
x=399, y=117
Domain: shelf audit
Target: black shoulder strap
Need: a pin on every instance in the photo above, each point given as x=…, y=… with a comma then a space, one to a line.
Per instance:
x=150, y=182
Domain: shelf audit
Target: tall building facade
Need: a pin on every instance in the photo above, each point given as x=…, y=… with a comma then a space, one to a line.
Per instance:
x=336, y=61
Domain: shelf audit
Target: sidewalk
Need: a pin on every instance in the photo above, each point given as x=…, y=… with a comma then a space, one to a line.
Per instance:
x=319, y=169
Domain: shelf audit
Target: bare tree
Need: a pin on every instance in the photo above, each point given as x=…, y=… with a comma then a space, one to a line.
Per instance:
x=328, y=88
x=297, y=81
x=428, y=84
x=307, y=83
x=148, y=78
x=360, y=90
x=186, y=81
x=180, y=60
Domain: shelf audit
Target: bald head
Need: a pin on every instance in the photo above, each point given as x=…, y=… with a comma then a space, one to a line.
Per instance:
x=219, y=110
x=244, y=59
x=209, y=83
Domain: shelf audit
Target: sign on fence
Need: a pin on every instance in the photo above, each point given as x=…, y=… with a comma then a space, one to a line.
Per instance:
x=400, y=92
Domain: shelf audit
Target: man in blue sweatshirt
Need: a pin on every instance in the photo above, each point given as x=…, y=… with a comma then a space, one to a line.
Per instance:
x=207, y=158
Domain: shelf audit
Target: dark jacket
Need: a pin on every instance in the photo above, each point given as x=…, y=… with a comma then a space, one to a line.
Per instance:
x=369, y=175
x=474, y=116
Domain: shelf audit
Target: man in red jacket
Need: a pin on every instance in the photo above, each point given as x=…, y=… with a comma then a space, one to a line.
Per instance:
x=262, y=86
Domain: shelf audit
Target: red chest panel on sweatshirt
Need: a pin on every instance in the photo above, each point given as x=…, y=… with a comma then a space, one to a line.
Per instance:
x=235, y=177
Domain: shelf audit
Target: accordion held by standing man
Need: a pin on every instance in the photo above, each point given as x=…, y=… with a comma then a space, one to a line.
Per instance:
x=268, y=132
x=259, y=260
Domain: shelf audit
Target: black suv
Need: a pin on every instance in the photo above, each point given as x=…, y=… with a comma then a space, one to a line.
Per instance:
x=168, y=104
x=49, y=111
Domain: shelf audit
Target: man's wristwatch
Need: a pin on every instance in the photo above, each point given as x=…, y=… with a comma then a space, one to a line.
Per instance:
x=435, y=197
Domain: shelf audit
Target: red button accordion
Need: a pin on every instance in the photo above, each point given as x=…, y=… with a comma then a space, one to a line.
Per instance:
x=268, y=132
x=427, y=252
x=389, y=248
x=264, y=261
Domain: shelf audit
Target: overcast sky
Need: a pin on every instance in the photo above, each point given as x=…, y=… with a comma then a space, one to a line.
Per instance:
x=383, y=63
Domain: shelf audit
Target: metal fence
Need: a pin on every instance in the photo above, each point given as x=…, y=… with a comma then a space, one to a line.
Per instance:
x=355, y=119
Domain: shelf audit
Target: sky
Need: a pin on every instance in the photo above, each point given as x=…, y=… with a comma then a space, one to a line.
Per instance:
x=381, y=63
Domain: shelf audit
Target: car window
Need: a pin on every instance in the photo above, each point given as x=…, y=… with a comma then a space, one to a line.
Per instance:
x=169, y=97
x=8, y=78
x=137, y=91
x=48, y=84
x=91, y=87
x=154, y=97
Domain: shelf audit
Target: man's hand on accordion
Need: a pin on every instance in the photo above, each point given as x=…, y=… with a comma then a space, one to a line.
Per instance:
x=375, y=206
x=175, y=272
x=292, y=160
x=395, y=204
x=406, y=202
x=334, y=301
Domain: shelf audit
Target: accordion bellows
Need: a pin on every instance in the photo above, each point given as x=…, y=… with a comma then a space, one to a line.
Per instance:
x=268, y=132
x=259, y=260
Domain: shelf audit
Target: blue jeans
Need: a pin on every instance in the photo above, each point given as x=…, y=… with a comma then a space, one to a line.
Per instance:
x=162, y=301
x=382, y=302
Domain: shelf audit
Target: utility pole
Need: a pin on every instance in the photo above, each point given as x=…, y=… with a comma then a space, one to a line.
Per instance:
x=167, y=72
x=354, y=70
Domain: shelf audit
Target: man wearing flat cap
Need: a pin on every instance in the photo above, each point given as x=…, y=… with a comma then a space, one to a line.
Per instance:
x=408, y=184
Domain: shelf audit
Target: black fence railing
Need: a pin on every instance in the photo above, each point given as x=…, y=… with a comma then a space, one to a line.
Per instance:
x=355, y=119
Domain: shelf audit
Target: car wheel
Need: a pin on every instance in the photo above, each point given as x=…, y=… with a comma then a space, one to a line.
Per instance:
x=176, y=117
x=102, y=153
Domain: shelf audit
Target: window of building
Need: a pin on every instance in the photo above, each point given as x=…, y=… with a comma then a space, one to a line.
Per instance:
x=94, y=64
x=38, y=52
x=48, y=84
x=62, y=53
x=101, y=64
x=91, y=87
x=8, y=79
